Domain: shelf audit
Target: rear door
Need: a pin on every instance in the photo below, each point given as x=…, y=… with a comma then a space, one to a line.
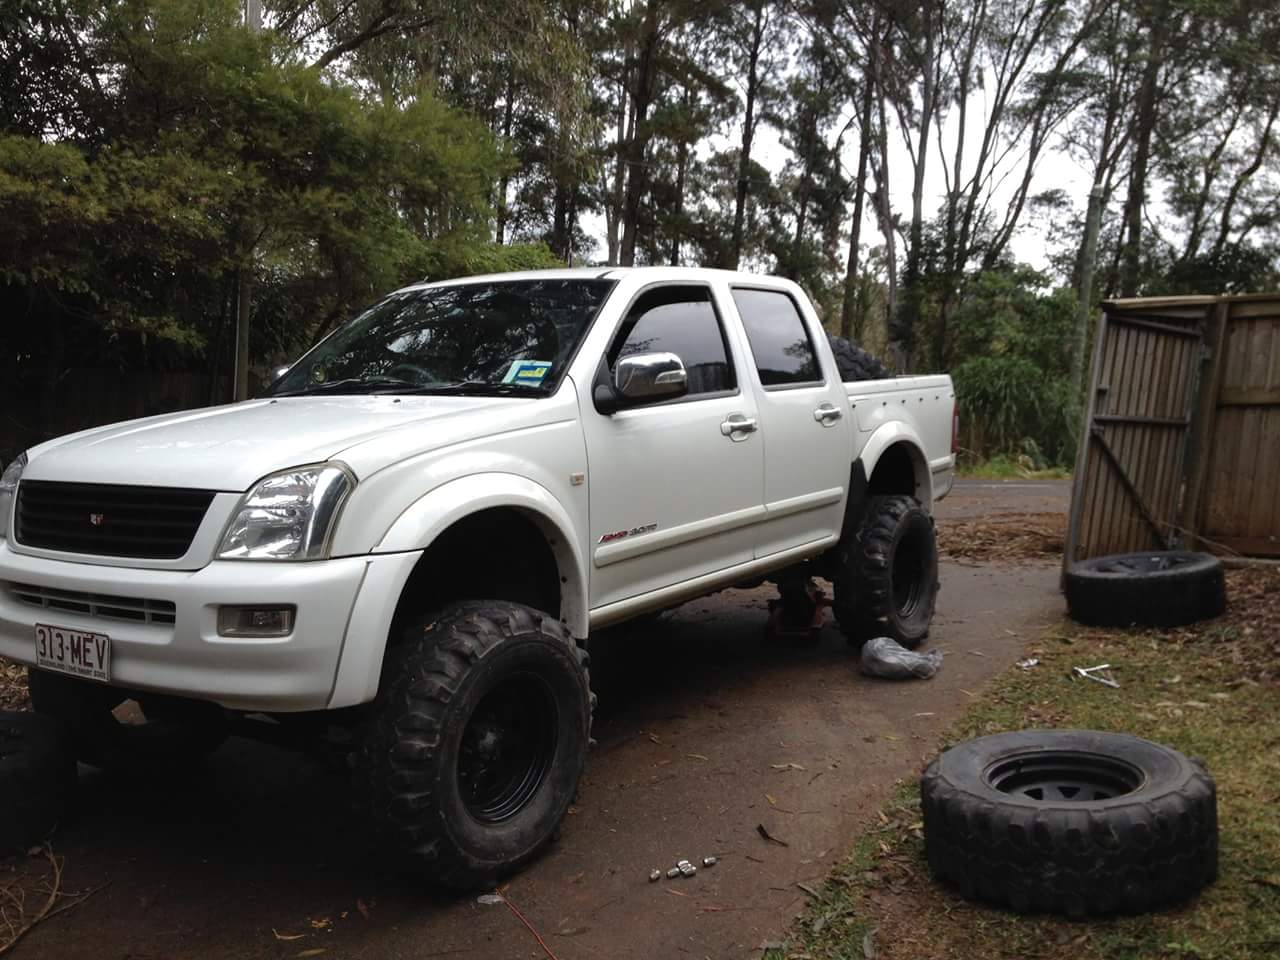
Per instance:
x=804, y=420
x=675, y=486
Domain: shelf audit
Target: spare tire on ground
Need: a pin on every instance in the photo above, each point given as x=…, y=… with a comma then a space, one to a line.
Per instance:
x=37, y=779
x=856, y=364
x=1162, y=588
x=1070, y=821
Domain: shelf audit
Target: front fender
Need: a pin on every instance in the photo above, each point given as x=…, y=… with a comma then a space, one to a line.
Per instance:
x=897, y=432
x=434, y=513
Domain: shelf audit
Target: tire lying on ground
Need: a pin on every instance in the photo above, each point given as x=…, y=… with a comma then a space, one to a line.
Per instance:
x=37, y=779
x=856, y=364
x=1163, y=588
x=1070, y=821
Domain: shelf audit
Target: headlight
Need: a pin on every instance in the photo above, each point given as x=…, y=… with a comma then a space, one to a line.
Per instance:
x=8, y=484
x=289, y=515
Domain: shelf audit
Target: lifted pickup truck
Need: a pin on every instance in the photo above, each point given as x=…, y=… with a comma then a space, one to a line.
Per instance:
x=412, y=535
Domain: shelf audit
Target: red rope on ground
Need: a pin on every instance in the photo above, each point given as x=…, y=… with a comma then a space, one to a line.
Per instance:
x=529, y=926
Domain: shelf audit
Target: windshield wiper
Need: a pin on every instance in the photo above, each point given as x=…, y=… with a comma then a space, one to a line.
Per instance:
x=478, y=387
x=370, y=385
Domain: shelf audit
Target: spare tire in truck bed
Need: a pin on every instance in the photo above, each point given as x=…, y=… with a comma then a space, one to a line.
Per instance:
x=1162, y=588
x=1070, y=821
x=856, y=364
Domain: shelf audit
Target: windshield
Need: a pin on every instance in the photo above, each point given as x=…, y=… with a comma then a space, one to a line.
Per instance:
x=505, y=337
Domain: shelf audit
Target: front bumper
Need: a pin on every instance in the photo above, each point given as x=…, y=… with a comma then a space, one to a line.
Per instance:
x=331, y=659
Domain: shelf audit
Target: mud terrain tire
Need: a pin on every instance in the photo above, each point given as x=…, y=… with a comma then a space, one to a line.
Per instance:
x=37, y=779
x=177, y=732
x=1070, y=821
x=856, y=364
x=1162, y=588
x=885, y=578
x=480, y=735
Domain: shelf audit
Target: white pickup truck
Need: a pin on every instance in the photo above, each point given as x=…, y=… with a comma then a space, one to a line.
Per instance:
x=412, y=535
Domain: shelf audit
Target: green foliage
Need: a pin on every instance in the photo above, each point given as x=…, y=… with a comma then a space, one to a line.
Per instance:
x=195, y=152
x=1011, y=337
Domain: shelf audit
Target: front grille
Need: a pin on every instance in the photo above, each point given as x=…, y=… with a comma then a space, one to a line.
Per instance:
x=156, y=523
x=95, y=604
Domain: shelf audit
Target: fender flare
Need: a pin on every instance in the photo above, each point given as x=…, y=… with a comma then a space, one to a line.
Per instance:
x=892, y=434
x=435, y=512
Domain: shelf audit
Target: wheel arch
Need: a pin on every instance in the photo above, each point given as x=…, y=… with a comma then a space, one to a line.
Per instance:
x=509, y=514
x=893, y=462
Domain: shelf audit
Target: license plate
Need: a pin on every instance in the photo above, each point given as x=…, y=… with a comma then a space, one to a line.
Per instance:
x=80, y=654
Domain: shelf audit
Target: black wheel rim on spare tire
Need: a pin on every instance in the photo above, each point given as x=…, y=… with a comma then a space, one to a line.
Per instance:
x=1056, y=776
x=507, y=748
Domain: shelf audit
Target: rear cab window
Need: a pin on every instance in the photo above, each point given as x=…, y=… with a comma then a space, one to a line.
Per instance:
x=781, y=345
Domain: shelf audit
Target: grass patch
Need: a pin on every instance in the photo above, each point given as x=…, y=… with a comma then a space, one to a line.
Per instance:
x=1010, y=468
x=1212, y=691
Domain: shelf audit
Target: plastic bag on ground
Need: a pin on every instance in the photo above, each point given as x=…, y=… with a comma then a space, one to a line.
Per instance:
x=884, y=657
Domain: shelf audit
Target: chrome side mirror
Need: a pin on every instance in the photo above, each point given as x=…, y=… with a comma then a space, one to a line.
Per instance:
x=645, y=377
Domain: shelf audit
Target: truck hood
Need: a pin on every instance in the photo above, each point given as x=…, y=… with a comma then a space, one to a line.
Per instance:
x=228, y=448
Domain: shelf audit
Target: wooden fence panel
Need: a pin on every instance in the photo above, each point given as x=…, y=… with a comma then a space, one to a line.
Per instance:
x=1129, y=471
x=1240, y=507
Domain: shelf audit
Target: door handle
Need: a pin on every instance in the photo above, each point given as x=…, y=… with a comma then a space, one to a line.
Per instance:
x=736, y=426
x=827, y=414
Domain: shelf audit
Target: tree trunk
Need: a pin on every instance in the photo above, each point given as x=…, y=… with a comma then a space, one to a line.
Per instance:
x=1144, y=127
x=504, y=184
x=681, y=170
x=243, y=299
x=1093, y=223
x=847, y=304
x=902, y=331
x=638, y=143
x=748, y=134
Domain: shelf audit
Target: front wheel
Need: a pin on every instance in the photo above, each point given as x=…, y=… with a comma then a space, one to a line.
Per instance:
x=478, y=741
x=886, y=575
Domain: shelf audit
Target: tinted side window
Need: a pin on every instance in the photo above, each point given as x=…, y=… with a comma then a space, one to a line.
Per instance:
x=783, y=351
x=679, y=320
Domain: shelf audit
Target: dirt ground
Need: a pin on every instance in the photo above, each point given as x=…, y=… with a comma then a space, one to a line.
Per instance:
x=705, y=732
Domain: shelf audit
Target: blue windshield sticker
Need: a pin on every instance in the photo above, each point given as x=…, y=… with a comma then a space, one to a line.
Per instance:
x=530, y=373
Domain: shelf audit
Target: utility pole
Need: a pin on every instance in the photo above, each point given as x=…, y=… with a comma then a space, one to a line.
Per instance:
x=244, y=291
x=1092, y=224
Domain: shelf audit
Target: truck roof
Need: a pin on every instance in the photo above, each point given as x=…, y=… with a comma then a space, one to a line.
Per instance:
x=608, y=273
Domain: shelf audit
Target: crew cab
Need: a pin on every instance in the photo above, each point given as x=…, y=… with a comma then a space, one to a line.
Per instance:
x=414, y=532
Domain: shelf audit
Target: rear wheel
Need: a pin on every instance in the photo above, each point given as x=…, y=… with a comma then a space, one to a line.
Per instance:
x=886, y=576
x=478, y=742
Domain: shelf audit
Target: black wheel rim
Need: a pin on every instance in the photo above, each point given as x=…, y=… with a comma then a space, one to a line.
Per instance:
x=908, y=576
x=1058, y=776
x=507, y=748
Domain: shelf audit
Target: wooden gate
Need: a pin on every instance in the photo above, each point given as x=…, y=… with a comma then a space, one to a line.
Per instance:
x=1130, y=466
x=1236, y=491
x=1181, y=446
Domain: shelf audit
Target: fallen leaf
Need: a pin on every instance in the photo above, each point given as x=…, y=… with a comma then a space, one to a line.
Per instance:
x=808, y=889
x=869, y=945
x=786, y=766
x=696, y=756
x=313, y=952
x=772, y=801
x=676, y=893
x=654, y=738
x=287, y=936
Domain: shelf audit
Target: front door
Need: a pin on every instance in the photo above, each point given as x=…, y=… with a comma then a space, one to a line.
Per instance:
x=675, y=487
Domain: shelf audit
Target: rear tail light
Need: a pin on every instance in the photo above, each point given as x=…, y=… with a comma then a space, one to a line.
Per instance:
x=955, y=426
